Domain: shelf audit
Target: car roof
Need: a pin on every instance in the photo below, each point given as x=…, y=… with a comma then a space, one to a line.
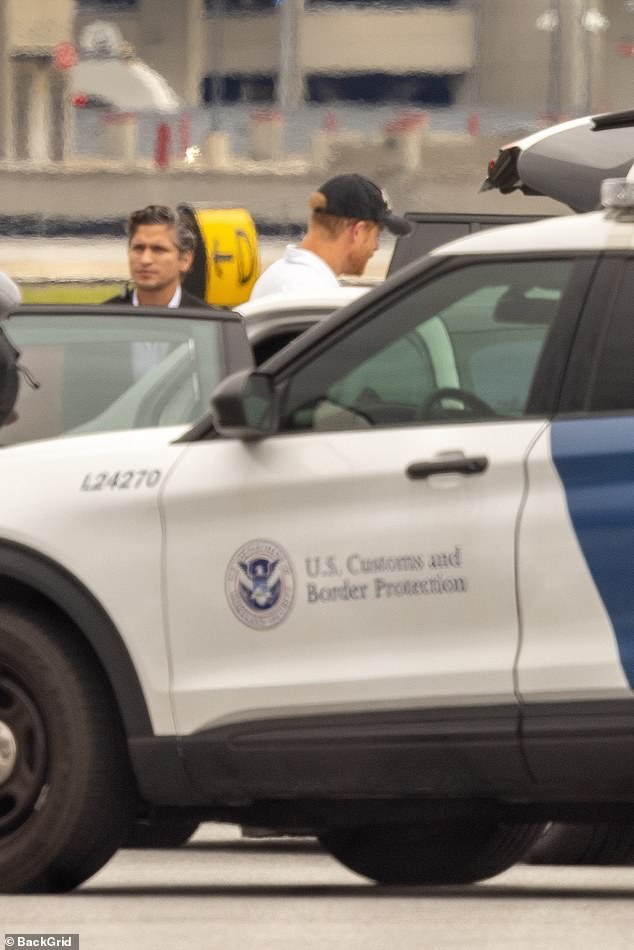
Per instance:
x=594, y=231
x=567, y=161
x=281, y=304
x=119, y=309
x=273, y=321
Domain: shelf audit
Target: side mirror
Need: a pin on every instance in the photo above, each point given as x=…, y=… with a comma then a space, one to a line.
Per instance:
x=244, y=406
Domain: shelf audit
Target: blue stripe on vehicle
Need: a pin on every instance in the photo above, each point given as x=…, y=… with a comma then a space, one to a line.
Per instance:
x=595, y=461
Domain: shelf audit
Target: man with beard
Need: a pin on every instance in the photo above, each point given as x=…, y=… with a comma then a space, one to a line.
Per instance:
x=347, y=215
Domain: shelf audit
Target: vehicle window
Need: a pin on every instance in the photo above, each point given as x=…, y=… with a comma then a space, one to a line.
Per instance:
x=105, y=373
x=461, y=347
x=270, y=343
x=425, y=237
x=611, y=381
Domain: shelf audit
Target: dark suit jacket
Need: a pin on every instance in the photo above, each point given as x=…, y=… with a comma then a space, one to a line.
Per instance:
x=187, y=299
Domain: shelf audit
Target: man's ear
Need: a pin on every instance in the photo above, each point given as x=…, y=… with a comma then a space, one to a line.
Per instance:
x=186, y=259
x=357, y=229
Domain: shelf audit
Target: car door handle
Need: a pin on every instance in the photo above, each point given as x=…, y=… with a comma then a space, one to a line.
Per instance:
x=460, y=465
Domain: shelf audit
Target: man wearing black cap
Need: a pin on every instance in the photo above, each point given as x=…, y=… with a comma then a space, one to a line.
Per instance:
x=347, y=216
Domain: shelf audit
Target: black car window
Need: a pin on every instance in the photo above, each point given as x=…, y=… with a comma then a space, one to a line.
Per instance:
x=611, y=386
x=462, y=347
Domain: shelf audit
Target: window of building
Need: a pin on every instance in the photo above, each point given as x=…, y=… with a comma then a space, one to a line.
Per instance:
x=107, y=3
x=377, y=87
x=258, y=88
x=254, y=6
x=240, y=6
x=383, y=3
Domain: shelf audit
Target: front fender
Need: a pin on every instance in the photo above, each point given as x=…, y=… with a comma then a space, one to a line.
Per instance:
x=31, y=573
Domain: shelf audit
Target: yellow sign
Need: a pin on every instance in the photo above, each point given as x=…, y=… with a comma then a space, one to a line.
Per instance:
x=231, y=254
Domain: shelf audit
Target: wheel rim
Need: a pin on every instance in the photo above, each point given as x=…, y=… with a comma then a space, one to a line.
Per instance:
x=8, y=752
x=23, y=755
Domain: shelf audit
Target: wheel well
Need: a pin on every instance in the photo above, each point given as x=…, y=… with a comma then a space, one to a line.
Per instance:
x=18, y=593
x=30, y=578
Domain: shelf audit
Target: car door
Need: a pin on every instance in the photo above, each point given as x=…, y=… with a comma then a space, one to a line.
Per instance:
x=578, y=641
x=575, y=667
x=363, y=558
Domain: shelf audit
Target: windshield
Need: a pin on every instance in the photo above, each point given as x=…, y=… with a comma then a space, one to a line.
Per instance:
x=99, y=374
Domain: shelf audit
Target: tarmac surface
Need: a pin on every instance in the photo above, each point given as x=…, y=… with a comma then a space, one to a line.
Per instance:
x=222, y=892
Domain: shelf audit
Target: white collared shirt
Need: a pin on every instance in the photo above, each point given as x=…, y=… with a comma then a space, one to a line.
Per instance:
x=177, y=296
x=146, y=355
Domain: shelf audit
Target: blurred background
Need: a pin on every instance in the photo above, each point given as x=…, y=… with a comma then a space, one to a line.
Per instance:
x=108, y=106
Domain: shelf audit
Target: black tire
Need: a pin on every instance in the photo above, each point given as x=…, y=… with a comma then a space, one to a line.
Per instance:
x=446, y=853
x=159, y=833
x=599, y=844
x=66, y=790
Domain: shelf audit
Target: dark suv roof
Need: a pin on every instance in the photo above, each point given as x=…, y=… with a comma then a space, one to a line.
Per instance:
x=430, y=229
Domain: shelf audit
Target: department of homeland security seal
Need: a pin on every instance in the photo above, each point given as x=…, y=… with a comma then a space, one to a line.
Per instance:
x=259, y=584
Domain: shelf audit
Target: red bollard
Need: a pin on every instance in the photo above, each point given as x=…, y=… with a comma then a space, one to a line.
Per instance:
x=473, y=124
x=331, y=122
x=162, y=145
x=184, y=134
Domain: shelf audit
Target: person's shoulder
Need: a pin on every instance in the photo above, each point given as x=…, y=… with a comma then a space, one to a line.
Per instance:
x=191, y=300
x=124, y=296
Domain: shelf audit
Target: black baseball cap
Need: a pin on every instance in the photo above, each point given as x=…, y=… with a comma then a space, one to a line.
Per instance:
x=353, y=196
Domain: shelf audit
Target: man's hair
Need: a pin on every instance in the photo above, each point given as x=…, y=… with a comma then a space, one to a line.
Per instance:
x=184, y=235
x=332, y=224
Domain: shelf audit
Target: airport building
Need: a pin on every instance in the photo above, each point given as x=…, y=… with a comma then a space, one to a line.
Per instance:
x=557, y=57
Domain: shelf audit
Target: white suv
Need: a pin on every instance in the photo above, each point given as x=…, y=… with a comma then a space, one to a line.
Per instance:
x=383, y=592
